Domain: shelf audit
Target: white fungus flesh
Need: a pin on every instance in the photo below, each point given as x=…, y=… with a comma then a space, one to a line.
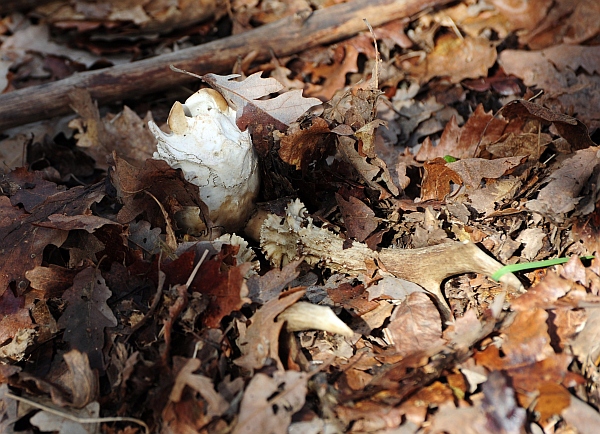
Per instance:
x=214, y=154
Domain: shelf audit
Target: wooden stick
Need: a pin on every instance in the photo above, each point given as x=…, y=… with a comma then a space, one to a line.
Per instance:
x=284, y=37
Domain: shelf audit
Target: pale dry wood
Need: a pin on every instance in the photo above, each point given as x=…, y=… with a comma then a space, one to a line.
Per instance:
x=281, y=38
x=284, y=239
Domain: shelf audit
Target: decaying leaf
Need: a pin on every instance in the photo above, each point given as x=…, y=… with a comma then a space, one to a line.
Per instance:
x=257, y=346
x=302, y=145
x=554, y=70
x=222, y=285
x=87, y=315
x=125, y=133
x=464, y=142
x=50, y=421
x=456, y=58
x=571, y=129
x=269, y=403
x=359, y=219
x=561, y=194
x=415, y=325
x=23, y=242
x=199, y=383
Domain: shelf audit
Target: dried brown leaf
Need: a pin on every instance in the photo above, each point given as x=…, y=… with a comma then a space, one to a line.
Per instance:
x=561, y=194
x=416, y=325
x=201, y=384
x=359, y=219
x=554, y=70
x=23, y=242
x=463, y=142
x=222, y=285
x=87, y=315
x=457, y=58
x=438, y=180
x=262, y=336
x=473, y=170
x=301, y=145
x=269, y=403
x=571, y=129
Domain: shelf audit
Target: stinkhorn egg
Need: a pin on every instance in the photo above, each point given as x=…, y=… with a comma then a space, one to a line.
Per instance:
x=214, y=154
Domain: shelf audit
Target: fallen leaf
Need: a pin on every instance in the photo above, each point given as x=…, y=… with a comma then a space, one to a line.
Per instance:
x=553, y=399
x=560, y=195
x=262, y=289
x=285, y=108
x=511, y=145
x=262, y=336
x=166, y=184
x=438, y=180
x=582, y=416
x=473, y=170
x=415, y=325
x=333, y=75
x=302, y=144
x=23, y=243
x=201, y=384
x=501, y=406
x=80, y=379
x=554, y=70
x=269, y=403
x=480, y=130
x=222, y=285
x=571, y=129
x=87, y=315
x=533, y=238
x=31, y=188
x=359, y=219
x=523, y=14
x=16, y=328
x=456, y=58
x=51, y=421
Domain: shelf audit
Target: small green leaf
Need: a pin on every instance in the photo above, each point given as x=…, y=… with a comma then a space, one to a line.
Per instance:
x=449, y=159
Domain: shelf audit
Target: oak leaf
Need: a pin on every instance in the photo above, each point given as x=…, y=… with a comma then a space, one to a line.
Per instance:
x=285, y=108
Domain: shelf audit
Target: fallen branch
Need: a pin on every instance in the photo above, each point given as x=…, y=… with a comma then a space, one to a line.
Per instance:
x=283, y=38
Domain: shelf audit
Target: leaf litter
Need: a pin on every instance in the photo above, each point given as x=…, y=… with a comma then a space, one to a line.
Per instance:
x=455, y=161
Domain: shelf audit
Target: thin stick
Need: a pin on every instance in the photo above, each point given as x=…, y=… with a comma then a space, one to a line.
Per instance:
x=82, y=420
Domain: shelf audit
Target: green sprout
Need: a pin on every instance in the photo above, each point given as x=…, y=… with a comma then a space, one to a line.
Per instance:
x=532, y=265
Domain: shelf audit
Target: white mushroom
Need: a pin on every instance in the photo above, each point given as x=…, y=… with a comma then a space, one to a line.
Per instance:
x=214, y=154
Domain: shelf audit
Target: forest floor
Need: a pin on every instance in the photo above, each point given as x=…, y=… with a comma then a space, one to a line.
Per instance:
x=424, y=197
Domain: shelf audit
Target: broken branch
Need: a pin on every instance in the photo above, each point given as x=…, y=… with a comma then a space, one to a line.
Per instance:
x=283, y=38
